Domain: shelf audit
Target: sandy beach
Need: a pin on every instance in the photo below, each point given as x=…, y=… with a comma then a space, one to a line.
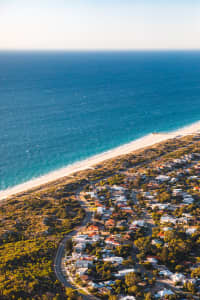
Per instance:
x=145, y=141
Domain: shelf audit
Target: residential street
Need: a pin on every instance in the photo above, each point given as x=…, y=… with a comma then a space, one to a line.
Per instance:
x=58, y=267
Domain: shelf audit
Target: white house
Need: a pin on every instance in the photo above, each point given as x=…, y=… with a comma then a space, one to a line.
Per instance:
x=118, y=188
x=160, y=206
x=173, y=180
x=162, y=178
x=164, y=293
x=80, y=247
x=81, y=271
x=167, y=219
x=96, y=285
x=177, y=277
x=165, y=273
x=191, y=230
x=152, y=260
x=156, y=242
x=188, y=200
x=128, y=298
x=100, y=210
x=120, y=198
x=167, y=228
x=80, y=238
x=114, y=259
x=83, y=263
x=140, y=223
x=124, y=272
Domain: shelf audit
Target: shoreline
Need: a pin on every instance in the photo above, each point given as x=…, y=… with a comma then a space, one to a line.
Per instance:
x=146, y=141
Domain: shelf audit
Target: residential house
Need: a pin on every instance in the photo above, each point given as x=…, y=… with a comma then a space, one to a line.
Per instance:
x=163, y=293
x=123, y=273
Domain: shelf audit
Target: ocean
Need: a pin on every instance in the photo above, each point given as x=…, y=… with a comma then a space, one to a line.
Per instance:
x=57, y=108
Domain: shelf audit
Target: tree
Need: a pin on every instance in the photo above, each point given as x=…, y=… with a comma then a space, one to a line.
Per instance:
x=190, y=287
x=164, y=254
x=133, y=290
x=179, y=268
x=164, y=197
x=112, y=297
x=196, y=272
x=69, y=246
x=123, y=250
x=71, y=294
x=143, y=244
x=148, y=296
x=131, y=279
x=57, y=297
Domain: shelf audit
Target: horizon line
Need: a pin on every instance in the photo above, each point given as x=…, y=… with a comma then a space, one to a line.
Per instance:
x=99, y=50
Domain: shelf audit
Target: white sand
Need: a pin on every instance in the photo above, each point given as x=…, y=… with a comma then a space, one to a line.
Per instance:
x=88, y=163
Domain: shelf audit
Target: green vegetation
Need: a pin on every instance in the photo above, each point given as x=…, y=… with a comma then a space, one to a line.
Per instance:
x=146, y=225
x=31, y=228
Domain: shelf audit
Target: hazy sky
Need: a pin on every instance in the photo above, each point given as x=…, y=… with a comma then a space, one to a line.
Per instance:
x=99, y=24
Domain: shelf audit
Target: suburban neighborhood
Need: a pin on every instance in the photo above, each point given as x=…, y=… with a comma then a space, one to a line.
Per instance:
x=143, y=240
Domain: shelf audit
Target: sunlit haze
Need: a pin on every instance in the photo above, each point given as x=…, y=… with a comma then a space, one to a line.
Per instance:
x=99, y=24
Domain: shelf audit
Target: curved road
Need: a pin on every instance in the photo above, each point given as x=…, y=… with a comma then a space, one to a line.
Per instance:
x=61, y=249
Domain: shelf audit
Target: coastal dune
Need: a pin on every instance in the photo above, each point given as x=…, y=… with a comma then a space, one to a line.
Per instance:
x=143, y=142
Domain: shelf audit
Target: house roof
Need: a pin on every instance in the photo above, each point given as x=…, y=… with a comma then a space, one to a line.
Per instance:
x=164, y=293
x=110, y=222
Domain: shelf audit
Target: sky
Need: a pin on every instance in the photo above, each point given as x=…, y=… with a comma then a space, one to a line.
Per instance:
x=99, y=24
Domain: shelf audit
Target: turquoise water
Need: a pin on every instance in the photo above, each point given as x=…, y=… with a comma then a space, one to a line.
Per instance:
x=57, y=108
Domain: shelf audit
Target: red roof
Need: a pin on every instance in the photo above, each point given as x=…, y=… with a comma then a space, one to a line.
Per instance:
x=93, y=228
x=110, y=222
x=161, y=234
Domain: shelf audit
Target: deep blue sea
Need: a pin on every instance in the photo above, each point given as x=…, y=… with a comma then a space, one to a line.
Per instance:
x=57, y=108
